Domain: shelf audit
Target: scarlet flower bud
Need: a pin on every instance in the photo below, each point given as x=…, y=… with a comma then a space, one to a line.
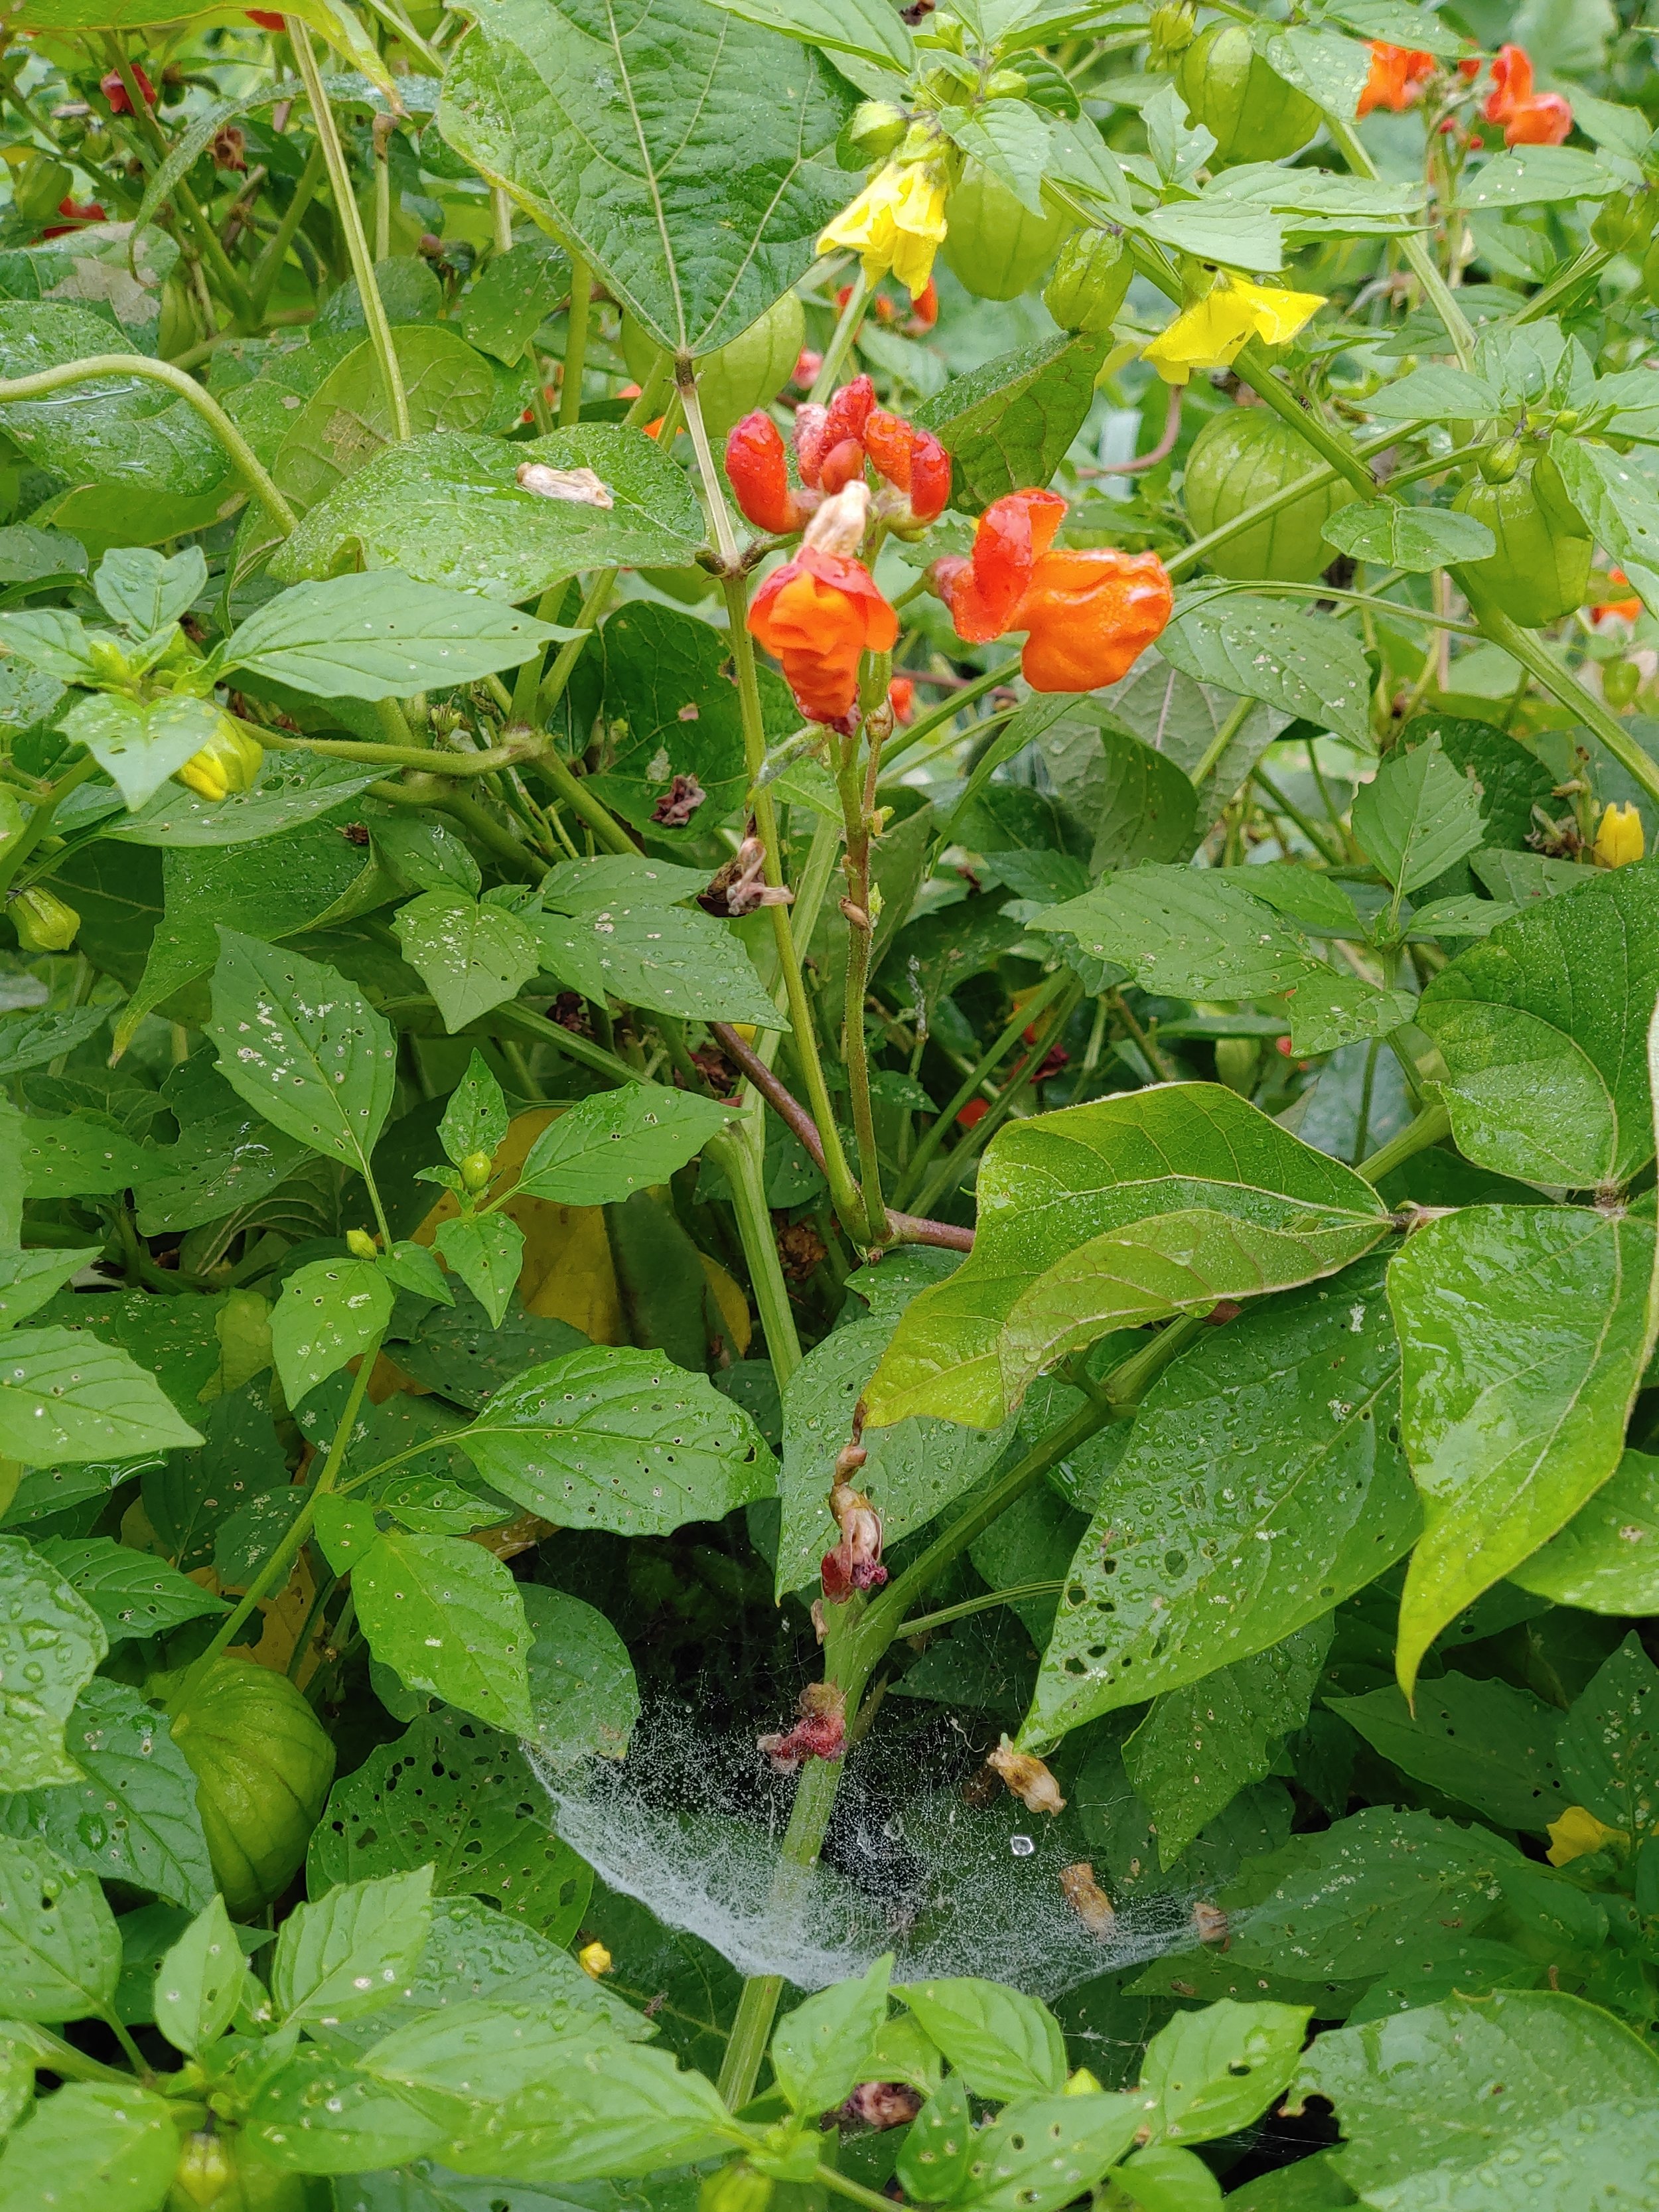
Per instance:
x=265, y=18
x=79, y=212
x=843, y=463
x=1396, y=77
x=1089, y=615
x=758, y=469
x=924, y=309
x=116, y=93
x=930, y=476
x=812, y=421
x=902, y=698
x=805, y=371
x=819, y=613
x=849, y=410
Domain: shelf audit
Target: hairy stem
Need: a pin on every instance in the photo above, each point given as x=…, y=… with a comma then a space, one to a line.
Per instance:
x=575, y=343
x=1419, y=260
x=740, y=1150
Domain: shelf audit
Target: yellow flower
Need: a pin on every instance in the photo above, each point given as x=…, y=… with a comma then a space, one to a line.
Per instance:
x=230, y=761
x=896, y=222
x=1618, y=839
x=1210, y=332
x=593, y=1958
x=1578, y=1832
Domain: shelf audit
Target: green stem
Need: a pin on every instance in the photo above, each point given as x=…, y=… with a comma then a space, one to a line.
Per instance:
x=740, y=1152
x=946, y=1175
x=1368, y=1082
x=552, y=687
x=134, y=2058
x=1431, y=1125
x=947, y=710
x=1419, y=260
x=1583, y=705
x=351, y=225
x=575, y=343
x=841, y=340
x=429, y=762
x=209, y=246
x=843, y=1192
x=1218, y=745
x=855, y=1055
x=993, y=1056
x=926, y=1623
x=1294, y=813
x=275, y=1571
x=571, y=787
x=582, y=1049
x=1253, y=365
x=48, y=380
x=40, y=820
x=269, y=266
x=843, y=2185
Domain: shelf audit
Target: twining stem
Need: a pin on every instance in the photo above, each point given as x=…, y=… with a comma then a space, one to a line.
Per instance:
x=843, y=1192
x=947, y=710
x=946, y=1175
x=1419, y=260
x=1585, y=708
x=235, y=291
x=1044, y=996
x=858, y=799
x=1215, y=752
x=351, y=225
x=741, y=1152
x=275, y=1571
x=48, y=380
x=575, y=343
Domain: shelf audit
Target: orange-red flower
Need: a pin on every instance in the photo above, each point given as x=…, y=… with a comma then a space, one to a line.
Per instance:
x=819, y=612
x=1088, y=613
x=758, y=469
x=1396, y=77
x=116, y=93
x=1528, y=118
x=1628, y=609
x=902, y=698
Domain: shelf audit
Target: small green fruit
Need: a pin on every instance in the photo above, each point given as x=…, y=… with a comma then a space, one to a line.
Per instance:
x=1253, y=114
x=263, y=1764
x=1244, y=455
x=739, y=376
x=994, y=247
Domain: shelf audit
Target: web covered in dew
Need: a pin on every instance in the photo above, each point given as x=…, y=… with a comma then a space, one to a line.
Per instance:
x=692, y=1824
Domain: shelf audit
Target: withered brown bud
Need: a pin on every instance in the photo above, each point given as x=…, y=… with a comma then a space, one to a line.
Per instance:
x=880, y=2105
x=1029, y=1778
x=1087, y=1899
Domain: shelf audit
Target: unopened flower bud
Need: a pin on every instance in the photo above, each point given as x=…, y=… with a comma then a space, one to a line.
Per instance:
x=206, y=2172
x=876, y=128
x=229, y=760
x=1029, y=1778
x=594, y=1959
x=1500, y=463
x=361, y=1244
x=735, y=2189
x=1618, y=837
x=477, y=1169
x=42, y=922
x=838, y=525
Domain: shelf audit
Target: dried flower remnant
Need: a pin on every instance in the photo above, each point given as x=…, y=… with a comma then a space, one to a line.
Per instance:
x=678, y=803
x=879, y=2104
x=580, y=487
x=1087, y=1899
x=1028, y=1777
x=740, y=886
x=819, y=1732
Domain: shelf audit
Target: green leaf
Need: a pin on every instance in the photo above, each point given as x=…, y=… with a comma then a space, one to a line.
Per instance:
x=77, y=1158
x=51, y=1645
x=620, y=1439
x=303, y=1046
x=1002, y=2043
x=1616, y=499
x=821, y=2049
x=132, y=1816
x=1012, y=421
x=345, y=1955
x=449, y=509
x=1214, y=2072
x=486, y=1250
x=141, y=743
x=1202, y=934
x=1415, y=539
x=915, y=1466
x=1261, y=1486
x=933, y=2159
x=583, y=1696
x=1417, y=816
x=1526, y=1331
x=91, y=2147
x=480, y=2053
x=470, y=953
x=1609, y=1761
x=518, y=291
x=863, y=28
x=1482, y=1743
x=661, y=957
x=1119, y=1212
x=1542, y=1027
x=64, y=1398
x=144, y=592
x=610, y=879
x=1200, y=1745
x=60, y=1953
x=1438, y=393
x=462, y=1799
x=382, y=636
x=616, y=2108
x=1039, y=2155
x=606, y=1147
x=1257, y=650
x=291, y=788
x=1530, y=176
x=1606, y=1558
x=31, y=1039
x=312, y=2113
x=695, y=245
x=1164, y=2178
x=29, y=1280
x=446, y=1616
x=1423, y=2126
x=201, y=1982
x=475, y=1118
x=329, y=1312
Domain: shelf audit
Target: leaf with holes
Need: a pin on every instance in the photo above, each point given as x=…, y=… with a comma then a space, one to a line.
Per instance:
x=60, y=1952
x=446, y=1616
x=329, y=1312
x=51, y=1641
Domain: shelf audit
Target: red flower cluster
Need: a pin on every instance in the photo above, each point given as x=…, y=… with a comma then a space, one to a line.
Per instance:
x=1088, y=615
x=1396, y=78
x=819, y=612
x=79, y=212
x=1528, y=118
x=116, y=93
x=833, y=445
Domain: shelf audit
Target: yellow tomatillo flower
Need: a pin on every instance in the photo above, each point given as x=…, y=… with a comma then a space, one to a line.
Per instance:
x=1211, y=331
x=1618, y=839
x=593, y=1958
x=1578, y=1832
x=230, y=761
x=896, y=222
